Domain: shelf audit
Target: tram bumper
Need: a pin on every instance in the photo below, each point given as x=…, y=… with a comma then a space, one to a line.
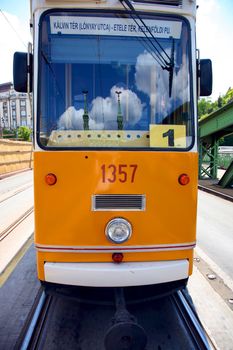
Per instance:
x=116, y=275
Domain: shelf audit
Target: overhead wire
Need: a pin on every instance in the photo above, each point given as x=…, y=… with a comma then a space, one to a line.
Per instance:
x=154, y=52
x=12, y=27
x=167, y=65
x=157, y=52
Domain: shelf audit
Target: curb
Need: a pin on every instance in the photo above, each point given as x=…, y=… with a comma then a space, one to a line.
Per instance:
x=215, y=193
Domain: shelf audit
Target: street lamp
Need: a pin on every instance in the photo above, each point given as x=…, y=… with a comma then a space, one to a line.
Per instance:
x=119, y=113
x=10, y=115
x=85, y=113
x=2, y=126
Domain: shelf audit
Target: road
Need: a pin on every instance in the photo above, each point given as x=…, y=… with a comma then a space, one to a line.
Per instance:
x=214, y=234
x=215, y=230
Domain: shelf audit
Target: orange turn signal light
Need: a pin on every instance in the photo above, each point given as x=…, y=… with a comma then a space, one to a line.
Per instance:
x=50, y=179
x=117, y=257
x=183, y=179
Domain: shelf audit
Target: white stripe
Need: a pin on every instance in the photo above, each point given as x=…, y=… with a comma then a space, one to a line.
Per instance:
x=112, y=249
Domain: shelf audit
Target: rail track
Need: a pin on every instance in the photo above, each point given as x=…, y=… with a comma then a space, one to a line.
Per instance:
x=35, y=322
x=200, y=336
x=13, y=193
x=39, y=322
x=217, y=192
x=14, y=224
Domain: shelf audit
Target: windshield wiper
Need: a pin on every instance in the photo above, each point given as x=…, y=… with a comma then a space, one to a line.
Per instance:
x=171, y=68
x=166, y=63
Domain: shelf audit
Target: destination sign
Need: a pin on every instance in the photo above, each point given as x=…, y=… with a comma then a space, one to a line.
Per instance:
x=73, y=25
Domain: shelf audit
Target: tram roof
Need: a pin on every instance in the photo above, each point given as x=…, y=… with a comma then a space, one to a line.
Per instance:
x=182, y=7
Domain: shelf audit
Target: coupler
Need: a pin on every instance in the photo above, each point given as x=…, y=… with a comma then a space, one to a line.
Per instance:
x=125, y=333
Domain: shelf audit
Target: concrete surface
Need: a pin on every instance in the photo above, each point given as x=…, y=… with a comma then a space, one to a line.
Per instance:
x=215, y=230
x=17, y=296
x=215, y=315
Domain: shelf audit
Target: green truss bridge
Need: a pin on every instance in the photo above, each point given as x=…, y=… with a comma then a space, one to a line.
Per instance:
x=211, y=129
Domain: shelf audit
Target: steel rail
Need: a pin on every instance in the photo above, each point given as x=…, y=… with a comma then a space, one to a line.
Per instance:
x=17, y=222
x=193, y=325
x=215, y=193
x=31, y=334
x=14, y=193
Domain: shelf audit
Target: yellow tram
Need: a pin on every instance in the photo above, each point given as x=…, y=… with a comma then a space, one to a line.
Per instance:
x=115, y=87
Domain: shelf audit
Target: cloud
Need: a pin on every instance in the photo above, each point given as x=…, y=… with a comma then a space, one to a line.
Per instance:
x=72, y=119
x=214, y=37
x=10, y=42
x=107, y=108
x=103, y=112
x=153, y=81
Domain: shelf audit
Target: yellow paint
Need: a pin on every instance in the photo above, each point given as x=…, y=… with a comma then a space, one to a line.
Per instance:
x=14, y=262
x=63, y=215
x=158, y=136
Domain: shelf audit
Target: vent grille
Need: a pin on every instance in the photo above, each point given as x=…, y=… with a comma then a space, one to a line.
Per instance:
x=161, y=2
x=118, y=202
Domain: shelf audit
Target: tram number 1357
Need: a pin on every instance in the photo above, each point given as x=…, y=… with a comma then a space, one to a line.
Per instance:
x=122, y=173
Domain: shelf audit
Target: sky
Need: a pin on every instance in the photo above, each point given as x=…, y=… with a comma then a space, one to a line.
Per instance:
x=214, y=38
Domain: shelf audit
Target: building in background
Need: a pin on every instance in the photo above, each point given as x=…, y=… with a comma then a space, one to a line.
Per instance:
x=14, y=108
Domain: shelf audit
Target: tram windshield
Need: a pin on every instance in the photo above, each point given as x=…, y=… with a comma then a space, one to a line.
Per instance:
x=106, y=80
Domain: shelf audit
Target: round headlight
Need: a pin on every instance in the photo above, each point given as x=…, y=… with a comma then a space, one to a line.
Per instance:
x=118, y=230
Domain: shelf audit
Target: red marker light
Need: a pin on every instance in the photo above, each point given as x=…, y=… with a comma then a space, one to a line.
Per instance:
x=50, y=179
x=117, y=257
x=184, y=179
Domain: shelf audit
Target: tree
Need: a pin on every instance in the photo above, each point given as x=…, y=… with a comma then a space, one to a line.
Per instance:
x=220, y=102
x=24, y=133
x=206, y=106
x=9, y=133
x=228, y=97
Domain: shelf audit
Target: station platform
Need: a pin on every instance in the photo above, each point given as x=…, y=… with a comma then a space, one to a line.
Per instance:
x=212, y=187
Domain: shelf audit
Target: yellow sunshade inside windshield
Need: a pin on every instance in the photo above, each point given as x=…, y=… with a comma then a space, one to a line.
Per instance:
x=99, y=138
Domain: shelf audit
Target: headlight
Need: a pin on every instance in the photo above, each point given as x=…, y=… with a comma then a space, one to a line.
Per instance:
x=118, y=230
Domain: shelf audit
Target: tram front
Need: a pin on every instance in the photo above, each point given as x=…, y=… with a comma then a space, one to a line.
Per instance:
x=115, y=158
